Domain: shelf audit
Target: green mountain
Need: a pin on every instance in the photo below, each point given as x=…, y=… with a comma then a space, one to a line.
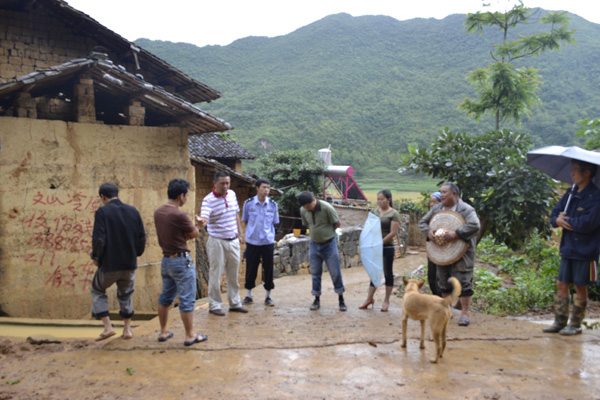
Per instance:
x=369, y=86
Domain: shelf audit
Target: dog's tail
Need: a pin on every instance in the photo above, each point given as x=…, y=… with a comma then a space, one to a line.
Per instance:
x=457, y=288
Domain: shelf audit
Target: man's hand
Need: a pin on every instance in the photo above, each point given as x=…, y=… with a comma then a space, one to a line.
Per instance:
x=202, y=222
x=562, y=222
x=450, y=236
x=431, y=235
x=95, y=262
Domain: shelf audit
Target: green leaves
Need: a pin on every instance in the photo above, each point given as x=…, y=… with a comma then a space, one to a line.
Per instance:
x=292, y=171
x=504, y=90
x=525, y=280
x=591, y=131
x=371, y=85
x=512, y=200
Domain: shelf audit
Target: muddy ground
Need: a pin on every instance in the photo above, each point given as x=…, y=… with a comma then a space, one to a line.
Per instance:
x=290, y=352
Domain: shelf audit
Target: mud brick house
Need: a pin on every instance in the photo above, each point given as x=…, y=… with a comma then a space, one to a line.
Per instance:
x=79, y=106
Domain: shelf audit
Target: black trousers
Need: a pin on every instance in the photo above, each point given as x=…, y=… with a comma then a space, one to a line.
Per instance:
x=388, y=265
x=432, y=278
x=254, y=254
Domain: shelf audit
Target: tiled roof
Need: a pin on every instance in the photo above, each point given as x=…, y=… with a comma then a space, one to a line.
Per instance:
x=162, y=107
x=250, y=179
x=214, y=145
x=169, y=76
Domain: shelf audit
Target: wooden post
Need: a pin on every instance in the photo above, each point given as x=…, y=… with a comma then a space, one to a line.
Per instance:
x=83, y=94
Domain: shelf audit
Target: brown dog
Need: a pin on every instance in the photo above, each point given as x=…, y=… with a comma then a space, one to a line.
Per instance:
x=419, y=306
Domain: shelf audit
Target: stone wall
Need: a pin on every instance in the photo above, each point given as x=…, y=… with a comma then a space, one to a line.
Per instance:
x=34, y=40
x=50, y=172
x=291, y=258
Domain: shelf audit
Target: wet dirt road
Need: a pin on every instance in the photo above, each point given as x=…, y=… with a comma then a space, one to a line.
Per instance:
x=290, y=352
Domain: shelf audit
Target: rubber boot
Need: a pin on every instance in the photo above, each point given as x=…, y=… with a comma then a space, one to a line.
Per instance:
x=577, y=316
x=561, y=315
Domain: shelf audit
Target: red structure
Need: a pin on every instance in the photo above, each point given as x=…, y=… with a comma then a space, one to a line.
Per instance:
x=340, y=178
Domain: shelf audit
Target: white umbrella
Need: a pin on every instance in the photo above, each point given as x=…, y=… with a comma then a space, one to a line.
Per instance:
x=371, y=248
x=556, y=162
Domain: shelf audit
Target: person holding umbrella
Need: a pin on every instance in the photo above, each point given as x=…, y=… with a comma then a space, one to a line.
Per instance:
x=390, y=222
x=578, y=214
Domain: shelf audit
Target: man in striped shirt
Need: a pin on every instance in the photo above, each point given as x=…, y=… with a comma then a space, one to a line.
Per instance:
x=220, y=212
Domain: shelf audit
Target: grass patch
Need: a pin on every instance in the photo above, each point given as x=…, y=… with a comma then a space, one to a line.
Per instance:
x=399, y=184
x=396, y=196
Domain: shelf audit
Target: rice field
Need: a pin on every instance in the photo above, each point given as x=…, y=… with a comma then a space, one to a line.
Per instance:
x=396, y=196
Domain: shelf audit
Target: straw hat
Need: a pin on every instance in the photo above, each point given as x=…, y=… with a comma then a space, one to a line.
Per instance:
x=439, y=251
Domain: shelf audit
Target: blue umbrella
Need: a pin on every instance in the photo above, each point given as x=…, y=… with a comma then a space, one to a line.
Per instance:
x=371, y=248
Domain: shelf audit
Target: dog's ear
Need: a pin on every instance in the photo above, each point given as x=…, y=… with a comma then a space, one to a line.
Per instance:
x=405, y=280
x=420, y=283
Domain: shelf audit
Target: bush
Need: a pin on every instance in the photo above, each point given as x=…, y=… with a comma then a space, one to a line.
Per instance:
x=533, y=275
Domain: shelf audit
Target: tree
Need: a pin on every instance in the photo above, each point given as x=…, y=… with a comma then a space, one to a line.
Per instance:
x=511, y=199
x=292, y=171
x=504, y=89
x=591, y=131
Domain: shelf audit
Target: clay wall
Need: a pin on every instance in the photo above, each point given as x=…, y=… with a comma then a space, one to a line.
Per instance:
x=50, y=172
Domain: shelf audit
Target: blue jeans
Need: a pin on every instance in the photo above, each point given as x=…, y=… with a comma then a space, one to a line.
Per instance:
x=179, y=279
x=327, y=252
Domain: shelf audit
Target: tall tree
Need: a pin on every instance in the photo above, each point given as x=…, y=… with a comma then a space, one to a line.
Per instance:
x=504, y=89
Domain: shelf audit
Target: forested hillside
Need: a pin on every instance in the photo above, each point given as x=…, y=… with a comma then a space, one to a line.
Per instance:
x=370, y=85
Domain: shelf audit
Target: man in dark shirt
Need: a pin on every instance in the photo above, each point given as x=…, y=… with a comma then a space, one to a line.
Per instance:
x=118, y=239
x=579, y=249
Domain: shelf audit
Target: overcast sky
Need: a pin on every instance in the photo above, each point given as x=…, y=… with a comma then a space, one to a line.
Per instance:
x=220, y=22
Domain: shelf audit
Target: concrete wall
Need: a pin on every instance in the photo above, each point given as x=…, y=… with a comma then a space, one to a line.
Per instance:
x=50, y=172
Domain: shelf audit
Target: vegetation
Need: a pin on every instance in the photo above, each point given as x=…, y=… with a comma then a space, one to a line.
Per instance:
x=371, y=86
x=292, y=171
x=524, y=280
x=505, y=90
x=591, y=132
x=396, y=183
x=512, y=200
